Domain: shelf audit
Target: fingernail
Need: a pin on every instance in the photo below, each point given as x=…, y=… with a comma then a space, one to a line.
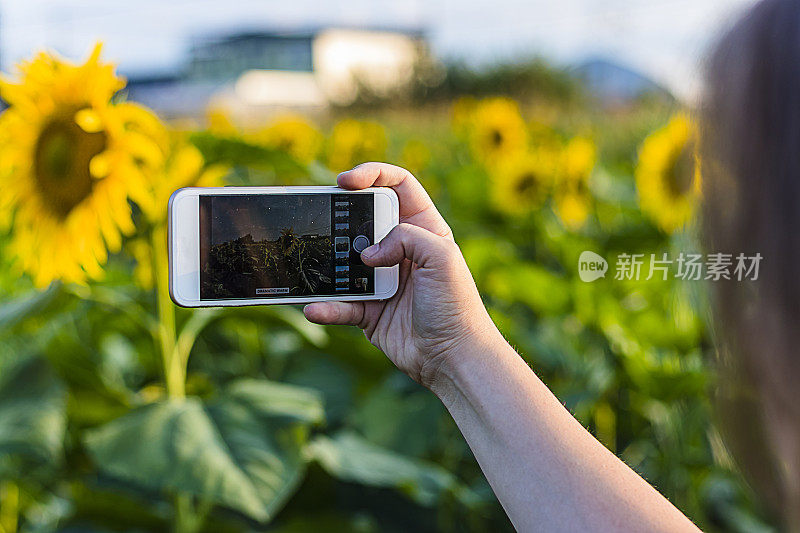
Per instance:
x=369, y=251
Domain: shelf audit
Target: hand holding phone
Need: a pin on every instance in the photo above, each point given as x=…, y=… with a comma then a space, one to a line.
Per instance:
x=269, y=245
x=437, y=311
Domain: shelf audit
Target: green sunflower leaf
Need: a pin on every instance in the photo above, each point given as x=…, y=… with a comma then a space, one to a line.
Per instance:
x=349, y=457
x=242, y=451
x=32, y=414
x=31, y=304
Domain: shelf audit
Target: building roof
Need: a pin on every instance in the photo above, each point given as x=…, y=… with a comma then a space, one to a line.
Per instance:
x=299, y=32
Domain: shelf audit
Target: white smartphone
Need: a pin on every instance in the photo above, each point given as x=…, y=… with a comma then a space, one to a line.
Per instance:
x=277, y=245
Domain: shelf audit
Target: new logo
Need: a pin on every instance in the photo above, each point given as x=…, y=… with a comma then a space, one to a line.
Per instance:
x=591, y=266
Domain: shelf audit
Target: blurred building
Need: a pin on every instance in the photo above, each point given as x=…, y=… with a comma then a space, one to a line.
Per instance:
x=250, y=74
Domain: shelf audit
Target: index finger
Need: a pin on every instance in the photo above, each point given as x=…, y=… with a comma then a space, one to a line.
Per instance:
x=416, y=207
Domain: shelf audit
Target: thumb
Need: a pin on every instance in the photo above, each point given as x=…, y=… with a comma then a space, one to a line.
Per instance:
x=407, y=241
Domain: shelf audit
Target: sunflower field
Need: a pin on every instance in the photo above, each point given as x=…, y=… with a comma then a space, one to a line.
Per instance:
x=121, y=412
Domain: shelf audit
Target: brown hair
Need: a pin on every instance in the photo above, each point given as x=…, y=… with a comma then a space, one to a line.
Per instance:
x=750, y=153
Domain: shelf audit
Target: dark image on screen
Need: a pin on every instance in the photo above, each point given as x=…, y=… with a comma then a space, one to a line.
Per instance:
x=282, y=245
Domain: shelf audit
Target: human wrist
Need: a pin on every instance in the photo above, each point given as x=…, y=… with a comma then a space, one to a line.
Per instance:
x=445, y=373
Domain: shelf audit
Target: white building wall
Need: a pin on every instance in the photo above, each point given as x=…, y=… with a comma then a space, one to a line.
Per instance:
x=381, y=61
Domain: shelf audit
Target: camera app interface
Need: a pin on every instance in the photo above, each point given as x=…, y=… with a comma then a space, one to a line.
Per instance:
x=283, y=245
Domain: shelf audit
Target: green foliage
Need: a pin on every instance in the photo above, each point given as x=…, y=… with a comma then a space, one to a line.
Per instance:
x=531, y=79
x=17, y=310
x=351, y=458
x=32, y=422
x=523, y=79
x=241, y=451
x=284, y=425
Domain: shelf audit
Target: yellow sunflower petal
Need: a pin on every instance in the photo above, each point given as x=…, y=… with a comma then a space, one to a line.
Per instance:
x=89, y=120
x=100, y=165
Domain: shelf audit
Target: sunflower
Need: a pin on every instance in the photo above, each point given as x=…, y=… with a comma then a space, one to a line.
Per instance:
x=523, y=182
x=461, y=115
x=415, y=156
x=354, y=141
x=572, y=197
x=183, y=166
x=668, y=176
x=579, y=157
x=293, y=134
x=220, y=122
x=497, y=131
x=70, y=158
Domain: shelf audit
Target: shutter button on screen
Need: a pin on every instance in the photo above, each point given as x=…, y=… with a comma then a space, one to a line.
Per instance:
x=360, y=243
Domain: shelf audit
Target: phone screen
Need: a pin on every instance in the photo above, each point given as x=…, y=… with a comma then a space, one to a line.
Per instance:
x=282, y=245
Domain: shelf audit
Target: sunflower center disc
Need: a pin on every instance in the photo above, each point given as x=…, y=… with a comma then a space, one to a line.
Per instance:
x=527, y=184
x=61, y=164
x=680, y=175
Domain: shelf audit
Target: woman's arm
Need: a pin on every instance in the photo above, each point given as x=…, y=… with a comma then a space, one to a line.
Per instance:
x=549, y=473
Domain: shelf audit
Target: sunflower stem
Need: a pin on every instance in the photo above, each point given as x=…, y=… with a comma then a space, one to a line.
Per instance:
x=9, y=507
x=185, y=519
x=188, y=517
x=174, y=366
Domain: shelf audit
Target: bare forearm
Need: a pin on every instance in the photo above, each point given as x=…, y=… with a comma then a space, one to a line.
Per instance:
x=548, y=472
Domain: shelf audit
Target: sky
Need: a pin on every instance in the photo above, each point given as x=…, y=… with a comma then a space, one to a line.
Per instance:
x=264, y=217
x=664, y=39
